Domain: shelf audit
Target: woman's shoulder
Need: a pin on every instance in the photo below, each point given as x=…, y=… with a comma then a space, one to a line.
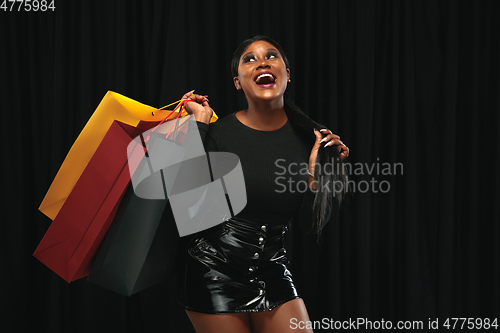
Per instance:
x=219, y=131
x=224, y=125
x=225, y=121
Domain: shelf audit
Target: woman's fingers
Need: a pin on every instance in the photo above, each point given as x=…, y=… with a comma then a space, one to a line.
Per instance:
x=201, y=110
x=198, y=98
x=334, y=140
x=318, y=141
x=188, y=94
x=344, y=151
x=314, y=150
x=195, y=97
x=201, y=100
x=331, y=139
x=326, y=131
x=204, y=100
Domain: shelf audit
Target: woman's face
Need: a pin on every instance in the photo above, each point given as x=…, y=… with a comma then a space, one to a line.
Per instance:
x=262, y=73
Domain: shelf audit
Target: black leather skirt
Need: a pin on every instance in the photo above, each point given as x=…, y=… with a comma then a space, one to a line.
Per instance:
x=237, y=266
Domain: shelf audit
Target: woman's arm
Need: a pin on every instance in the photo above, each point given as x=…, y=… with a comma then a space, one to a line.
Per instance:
x=202, y=113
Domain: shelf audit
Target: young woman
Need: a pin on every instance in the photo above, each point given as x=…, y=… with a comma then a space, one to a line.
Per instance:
x=235, y=277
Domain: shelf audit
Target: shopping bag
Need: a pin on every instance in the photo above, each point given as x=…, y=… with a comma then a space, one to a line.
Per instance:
x=69, y=245
x=139, y=249
x=112, y=107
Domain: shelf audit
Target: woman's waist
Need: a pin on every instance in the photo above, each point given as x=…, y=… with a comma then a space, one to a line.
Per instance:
x=243, y=225
x=244, y=239
x=273, y=217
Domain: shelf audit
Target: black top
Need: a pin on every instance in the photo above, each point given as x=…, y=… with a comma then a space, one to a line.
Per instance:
x=274, y=163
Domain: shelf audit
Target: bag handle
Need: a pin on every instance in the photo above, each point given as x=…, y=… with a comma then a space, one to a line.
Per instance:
x=180, y=107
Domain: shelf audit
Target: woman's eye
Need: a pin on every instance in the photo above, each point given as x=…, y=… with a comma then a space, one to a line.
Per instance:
x=248, y=58
x=272, y=55
x=252, y=58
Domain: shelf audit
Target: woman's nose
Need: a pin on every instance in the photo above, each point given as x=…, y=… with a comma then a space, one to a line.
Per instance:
x=263, y=64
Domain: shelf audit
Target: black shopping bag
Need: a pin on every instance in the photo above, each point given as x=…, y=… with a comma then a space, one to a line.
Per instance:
x=139, y=249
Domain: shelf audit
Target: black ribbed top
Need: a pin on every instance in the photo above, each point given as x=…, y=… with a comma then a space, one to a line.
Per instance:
x=274, y=164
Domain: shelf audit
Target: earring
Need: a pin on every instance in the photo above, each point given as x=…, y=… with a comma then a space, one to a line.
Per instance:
x=289, y=80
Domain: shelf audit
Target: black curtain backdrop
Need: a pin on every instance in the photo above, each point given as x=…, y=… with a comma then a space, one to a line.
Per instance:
x=413, y=85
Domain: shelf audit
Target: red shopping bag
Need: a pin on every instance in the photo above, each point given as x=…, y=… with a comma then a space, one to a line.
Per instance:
x=70, y=244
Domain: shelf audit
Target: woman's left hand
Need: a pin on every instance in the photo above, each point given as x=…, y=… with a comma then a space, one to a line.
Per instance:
x=331, y=140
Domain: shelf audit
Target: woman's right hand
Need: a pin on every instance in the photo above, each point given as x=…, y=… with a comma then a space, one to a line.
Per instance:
x=201, y=110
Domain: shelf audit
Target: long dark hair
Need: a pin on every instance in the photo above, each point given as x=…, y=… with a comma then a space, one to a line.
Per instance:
x=331, y=182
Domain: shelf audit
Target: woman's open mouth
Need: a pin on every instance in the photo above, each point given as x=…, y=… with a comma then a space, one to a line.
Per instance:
x=265, y=80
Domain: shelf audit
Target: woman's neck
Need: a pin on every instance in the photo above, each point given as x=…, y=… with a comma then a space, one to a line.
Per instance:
x=263, y=116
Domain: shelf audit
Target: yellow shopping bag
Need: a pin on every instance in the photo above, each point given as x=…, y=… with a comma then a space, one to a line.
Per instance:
x=112, y=107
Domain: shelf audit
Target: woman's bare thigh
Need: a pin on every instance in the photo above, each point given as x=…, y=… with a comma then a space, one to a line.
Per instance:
x=220, y=323
x=283, y=318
